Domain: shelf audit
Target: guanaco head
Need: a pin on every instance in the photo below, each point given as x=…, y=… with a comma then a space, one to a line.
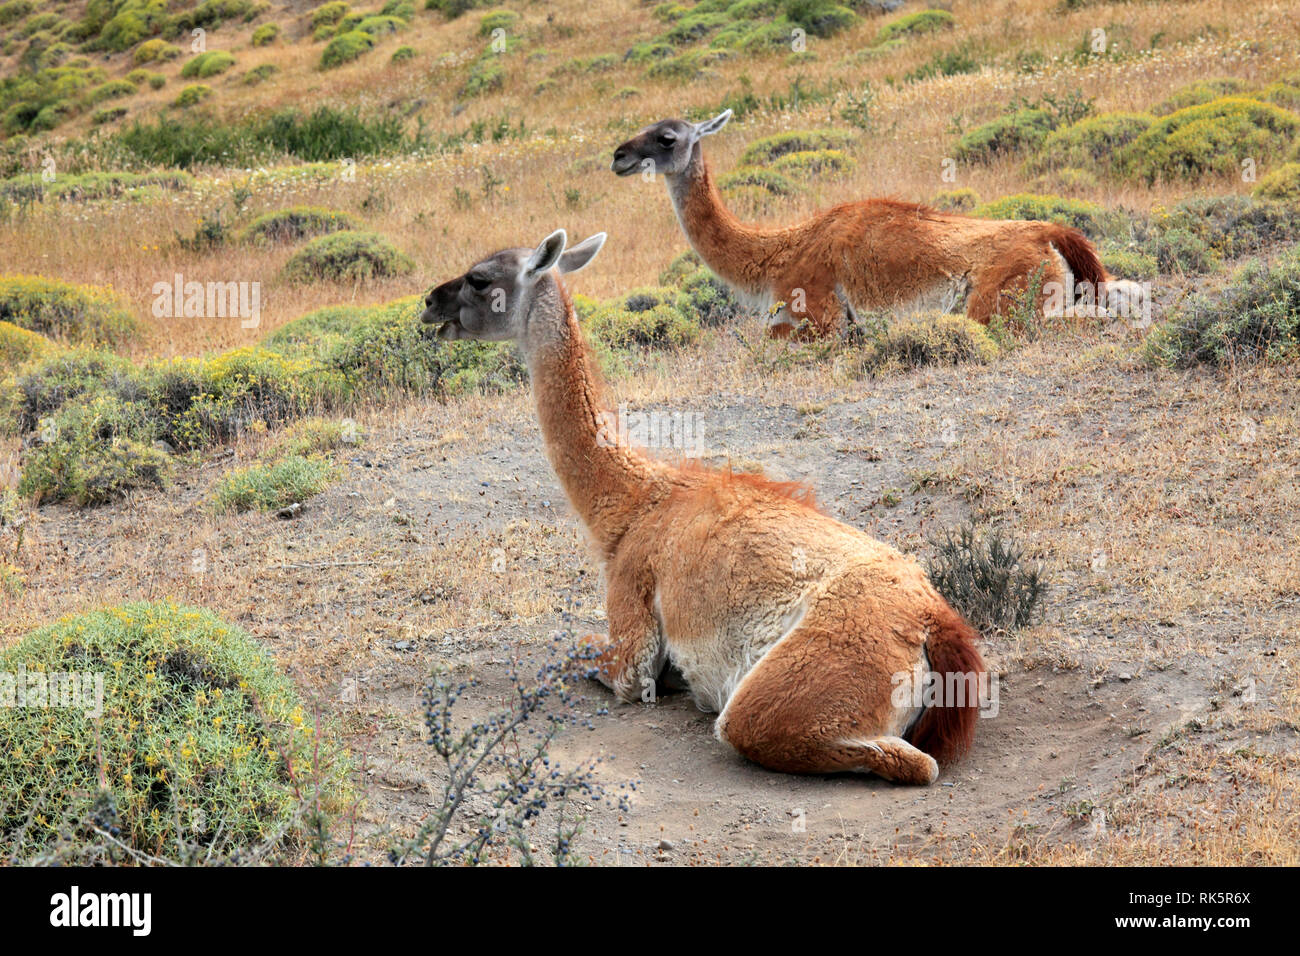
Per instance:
x=491, y=301
x=666, y=147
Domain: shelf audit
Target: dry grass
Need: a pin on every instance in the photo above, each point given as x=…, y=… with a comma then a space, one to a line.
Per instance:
x=130, y=246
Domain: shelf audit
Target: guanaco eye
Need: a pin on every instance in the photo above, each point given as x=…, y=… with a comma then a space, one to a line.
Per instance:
x=478, y=283
x=668, y=141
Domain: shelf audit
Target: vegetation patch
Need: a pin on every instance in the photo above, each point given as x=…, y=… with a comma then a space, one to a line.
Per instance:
x=1282, y=184
x=1091, y=143
x=1093, y=220
x=935, y=338
x=208, y=64
x=79, y=314
x=347, y=256
x=296, y=224
x=183, y=742
x=916, y=24
x=19, y=346
x=275, y=485
x=345, y=48
x=986, y=578
x=1257, y=318
x=1214, y=137
x=650, y=318
x=1202, y=91
x=771, y=148
x=1014, y=132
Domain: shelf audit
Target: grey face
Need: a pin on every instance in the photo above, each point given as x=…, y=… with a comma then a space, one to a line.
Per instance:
x=491, y=301
x=664, y=148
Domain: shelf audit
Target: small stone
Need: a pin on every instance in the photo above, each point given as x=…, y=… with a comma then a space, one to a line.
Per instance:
x=665, y=845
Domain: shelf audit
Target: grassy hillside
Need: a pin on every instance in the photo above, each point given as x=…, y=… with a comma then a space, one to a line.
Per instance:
x=351, y=484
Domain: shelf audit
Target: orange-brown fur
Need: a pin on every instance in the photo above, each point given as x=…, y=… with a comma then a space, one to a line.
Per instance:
x=693, y=556
x=879, y=253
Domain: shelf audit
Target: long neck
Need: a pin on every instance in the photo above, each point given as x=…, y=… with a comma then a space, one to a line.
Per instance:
x=608, y=483
x=742, y=255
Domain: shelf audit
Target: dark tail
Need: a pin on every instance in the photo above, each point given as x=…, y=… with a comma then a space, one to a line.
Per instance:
x=945, y=730
x=1078, y=254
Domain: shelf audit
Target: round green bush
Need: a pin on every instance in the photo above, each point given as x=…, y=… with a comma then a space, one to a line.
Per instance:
x=1014, y=132
x=815, y=163
x=1213, y=137
x=1130, y=263
x=379, y=26
x=497, y=20
x=266, y=34
x=347, y=256
x=207, y=64
x=183, y=732
x=345, y=48
x=79, y=314
x=1202, y=91
x=151, y=51
x=923, y=21
x=329, y=14
x=402, y=54
x=296, y=224
x=19, y=345
x=755, y=176
x=1090, y=143
x=1282, y=184
x=644, y=317
x=192, y=95
x=772, y=148
x=1090, y=218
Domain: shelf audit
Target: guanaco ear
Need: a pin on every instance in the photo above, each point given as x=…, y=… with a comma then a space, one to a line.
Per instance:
x=576, y=257
x=546, y=255
x=709, y=127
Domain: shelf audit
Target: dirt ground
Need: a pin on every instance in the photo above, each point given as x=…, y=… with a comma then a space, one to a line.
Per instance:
x=1151, y=714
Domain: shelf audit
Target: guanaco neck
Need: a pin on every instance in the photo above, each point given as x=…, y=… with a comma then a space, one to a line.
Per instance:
x=608, y=483
x=742, y=255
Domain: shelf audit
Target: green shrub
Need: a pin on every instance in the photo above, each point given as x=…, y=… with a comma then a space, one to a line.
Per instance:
x=402, y=54
x=155, y=50
x=707, y=300
x=497, y=20
x=192, y=95
x=1130, y=263
x=1090, y=218
x=346, y=256
x=914, y=24
x=260, y=74
x=819, y=18
x=1090, y=143
x=207, y=64
x=956, y=200
x=487, y=76
x=954, y=62
x=1015, y=132
x=212, y=13
x=80, y=314
x=266, y=34
x=644, y=317
x=935, y=338
x=93, y=451
x=1234, y=226
x=1256, y=318
x=345, y=48
x=19, y=346
x=108, y=115
x=771, y=148
x=452, y=9
x=270, y=487
x=1202, y=91
x=296, y=224
x=1211, y=138
x=1285, y=95
x=15, y=10
x=329, y=14
x=815, y=163
x=1281, y=184
x=187, y=759
x=757, y=177
x=112, y=90
x=379, y=26
x=986, y=579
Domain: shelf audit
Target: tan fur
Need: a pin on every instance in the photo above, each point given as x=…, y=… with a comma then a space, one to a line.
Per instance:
x=707, y=571
x=796, y=628
x=872, y=254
